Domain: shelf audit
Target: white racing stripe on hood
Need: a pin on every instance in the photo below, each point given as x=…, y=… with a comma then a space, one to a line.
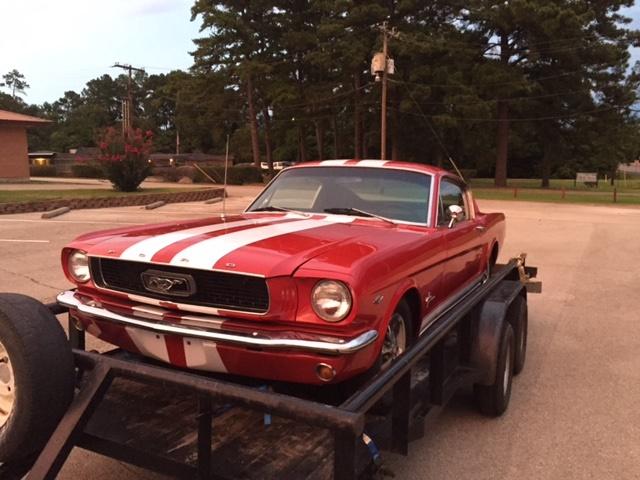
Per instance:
x=333, y=162
x=372, y=163
x=146, y=249
x=205, y=254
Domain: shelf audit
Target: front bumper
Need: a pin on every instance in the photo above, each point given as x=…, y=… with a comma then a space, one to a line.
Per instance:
x=88, y=308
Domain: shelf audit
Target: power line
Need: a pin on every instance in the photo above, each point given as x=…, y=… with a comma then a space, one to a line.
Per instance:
x=435, y=134
x=536, y=119
x=507, y=99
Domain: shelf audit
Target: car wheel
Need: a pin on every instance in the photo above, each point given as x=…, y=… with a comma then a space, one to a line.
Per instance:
x=493, y=400
x=399, y=335
x=36, y=376
x=520, y=328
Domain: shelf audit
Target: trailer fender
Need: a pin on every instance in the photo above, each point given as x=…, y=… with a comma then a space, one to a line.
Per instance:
x=492, y=314
x=491, y=318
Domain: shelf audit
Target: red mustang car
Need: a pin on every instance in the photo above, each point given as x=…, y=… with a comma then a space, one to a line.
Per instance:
x=335, y=268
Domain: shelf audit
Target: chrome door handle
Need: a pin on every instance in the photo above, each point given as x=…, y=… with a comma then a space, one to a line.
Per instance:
x=481, y=228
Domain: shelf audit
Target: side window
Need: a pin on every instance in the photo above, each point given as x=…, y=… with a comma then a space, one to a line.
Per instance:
x=450, y=194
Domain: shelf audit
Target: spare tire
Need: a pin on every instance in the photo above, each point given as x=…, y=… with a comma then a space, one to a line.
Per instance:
x=37, y=376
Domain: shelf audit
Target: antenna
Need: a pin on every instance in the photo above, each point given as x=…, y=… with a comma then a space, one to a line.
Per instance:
x=230, y=128
x=435, y=134
x=226, y=167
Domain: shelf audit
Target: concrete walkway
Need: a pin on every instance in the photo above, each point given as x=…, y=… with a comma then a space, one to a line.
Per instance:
x=54, y=183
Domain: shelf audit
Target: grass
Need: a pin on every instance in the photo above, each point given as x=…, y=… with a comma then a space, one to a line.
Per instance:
x=560, y=191
x=11, y=196
x=630, y=185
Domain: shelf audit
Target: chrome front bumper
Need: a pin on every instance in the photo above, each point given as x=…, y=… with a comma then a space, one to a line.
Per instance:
x=255, y=339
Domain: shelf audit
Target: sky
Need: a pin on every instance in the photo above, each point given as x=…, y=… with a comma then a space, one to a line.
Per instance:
x=61, y=45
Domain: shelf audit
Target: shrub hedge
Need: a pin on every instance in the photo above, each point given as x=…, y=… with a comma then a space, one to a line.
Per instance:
x=43, y=171
x=87, y=170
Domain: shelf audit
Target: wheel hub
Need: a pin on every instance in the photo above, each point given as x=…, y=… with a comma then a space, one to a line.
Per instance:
x=507, y=372
x=7, y=386
x=395, y=341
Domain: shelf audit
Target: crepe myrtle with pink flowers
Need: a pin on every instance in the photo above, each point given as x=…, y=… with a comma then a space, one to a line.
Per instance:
x=124, y=158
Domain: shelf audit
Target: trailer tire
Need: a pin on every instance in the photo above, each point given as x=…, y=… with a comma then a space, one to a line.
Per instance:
x=493, y=400
x=520, y=328
x=36, y=373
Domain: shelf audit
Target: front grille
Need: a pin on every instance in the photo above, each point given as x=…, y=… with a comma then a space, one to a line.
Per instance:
x=212, y=289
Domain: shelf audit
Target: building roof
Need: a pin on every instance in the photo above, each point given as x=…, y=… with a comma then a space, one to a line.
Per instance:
x=14, y=118
x=41, y=154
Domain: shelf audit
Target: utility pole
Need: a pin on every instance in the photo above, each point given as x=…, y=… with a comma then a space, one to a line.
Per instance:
x=383, y=119
x=127, y=106
x=381, y=67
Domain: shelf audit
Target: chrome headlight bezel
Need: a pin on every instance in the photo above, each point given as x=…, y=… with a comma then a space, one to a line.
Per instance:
x=336, y=297
x=78, y=266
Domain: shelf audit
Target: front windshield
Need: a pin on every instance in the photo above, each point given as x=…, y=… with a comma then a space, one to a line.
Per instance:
x=395, y=194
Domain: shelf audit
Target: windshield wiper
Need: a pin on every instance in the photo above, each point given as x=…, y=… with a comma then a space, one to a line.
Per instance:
x=272, y=208
x=358, y=212
x=275, y=208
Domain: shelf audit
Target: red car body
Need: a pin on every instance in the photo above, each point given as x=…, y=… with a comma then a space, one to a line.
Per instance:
x=243, y=283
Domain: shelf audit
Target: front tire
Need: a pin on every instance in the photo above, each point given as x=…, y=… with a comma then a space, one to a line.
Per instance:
x=402, y=319
x=36, y=376
x=399, y=335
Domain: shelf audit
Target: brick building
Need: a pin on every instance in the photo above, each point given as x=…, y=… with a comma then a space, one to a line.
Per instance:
x=14, y=160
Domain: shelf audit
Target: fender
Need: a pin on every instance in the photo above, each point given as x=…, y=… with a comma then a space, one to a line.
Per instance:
x=492, y=315
x=400, y=291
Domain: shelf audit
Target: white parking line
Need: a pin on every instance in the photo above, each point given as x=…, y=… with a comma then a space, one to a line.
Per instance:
x=97, y=222
x=13, y=240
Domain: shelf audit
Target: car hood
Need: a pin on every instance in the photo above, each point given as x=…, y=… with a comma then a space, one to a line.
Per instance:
x=265, y=244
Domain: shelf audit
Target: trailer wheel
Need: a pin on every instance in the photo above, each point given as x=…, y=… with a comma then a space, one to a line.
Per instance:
x=36, y=376
x=493, y=400
x=520, y=327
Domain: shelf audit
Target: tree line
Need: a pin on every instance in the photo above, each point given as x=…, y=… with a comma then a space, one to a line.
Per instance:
x=520, y=88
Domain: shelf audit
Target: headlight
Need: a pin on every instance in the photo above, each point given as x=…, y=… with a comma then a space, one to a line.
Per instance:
x=331, y=300
x=78, y=264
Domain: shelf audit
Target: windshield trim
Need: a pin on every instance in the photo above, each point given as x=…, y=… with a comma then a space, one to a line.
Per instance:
x=428, y=224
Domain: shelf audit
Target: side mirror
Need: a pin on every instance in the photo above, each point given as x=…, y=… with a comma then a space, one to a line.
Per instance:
x=456, y=213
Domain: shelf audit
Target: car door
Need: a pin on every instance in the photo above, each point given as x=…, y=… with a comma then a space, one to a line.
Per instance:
x=463, y=241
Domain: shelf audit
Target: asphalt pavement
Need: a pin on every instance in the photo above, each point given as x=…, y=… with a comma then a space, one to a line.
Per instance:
x=574, y=412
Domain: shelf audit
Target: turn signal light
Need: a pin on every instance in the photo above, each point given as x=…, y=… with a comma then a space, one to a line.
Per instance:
x=325, y=372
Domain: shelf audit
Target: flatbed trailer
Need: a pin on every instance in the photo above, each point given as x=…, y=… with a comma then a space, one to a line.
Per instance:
x=188, y=424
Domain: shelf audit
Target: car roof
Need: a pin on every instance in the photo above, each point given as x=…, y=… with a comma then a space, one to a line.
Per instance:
x=393, y=164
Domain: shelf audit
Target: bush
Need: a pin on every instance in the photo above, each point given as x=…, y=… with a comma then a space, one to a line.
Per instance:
x=42, y=171
x=169, y=174
x=173, y=174
x=565, y=171
x=125, y=158
x=87, y=170
x=235, y=175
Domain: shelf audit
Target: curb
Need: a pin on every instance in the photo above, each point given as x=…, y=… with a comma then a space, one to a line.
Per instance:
x=106, y=202
x=56, y=213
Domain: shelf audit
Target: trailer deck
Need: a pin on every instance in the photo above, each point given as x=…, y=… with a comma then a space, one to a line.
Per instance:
x=209, y=426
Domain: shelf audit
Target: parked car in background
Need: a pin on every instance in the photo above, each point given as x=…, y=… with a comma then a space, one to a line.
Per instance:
x=276, y=165
x=335, y=269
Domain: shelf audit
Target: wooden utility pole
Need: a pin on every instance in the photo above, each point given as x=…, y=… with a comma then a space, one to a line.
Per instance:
x=127, y=107
x=383, y=119
x=381, y=67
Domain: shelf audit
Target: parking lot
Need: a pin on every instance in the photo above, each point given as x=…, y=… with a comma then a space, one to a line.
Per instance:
x=574, y=413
